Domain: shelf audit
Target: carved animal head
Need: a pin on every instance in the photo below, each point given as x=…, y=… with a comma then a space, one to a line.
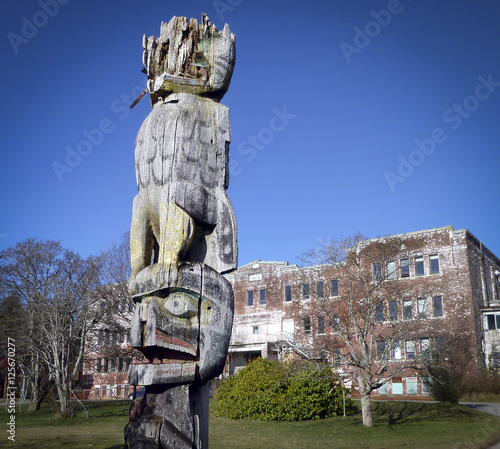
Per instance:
x=184, y=331
x=189, y=57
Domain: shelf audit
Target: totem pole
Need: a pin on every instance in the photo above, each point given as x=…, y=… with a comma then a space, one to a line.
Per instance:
x=183, y=235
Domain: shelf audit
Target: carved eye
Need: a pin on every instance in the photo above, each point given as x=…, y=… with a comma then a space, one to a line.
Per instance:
x=181, y=305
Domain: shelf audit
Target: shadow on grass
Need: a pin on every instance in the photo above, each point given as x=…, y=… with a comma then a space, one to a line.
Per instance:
x=394, y=413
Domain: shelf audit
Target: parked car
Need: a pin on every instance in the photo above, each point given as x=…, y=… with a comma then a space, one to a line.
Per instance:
x=139, y=393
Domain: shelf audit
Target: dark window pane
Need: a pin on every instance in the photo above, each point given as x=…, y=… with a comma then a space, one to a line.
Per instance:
x=380, y=349
x=491, y=322
x=419, y=266
x=379, y=314
x=321, y=325
x=437, y=305
x=305, y=291
x=307, y=325
x=393, y=310
x=377, y=274
x=434, y=259
x=262, y=296
x=288, y=293
x=405, y=268
x=335, y=287
x=321, y=289
x=407, y=310
x=250, y=298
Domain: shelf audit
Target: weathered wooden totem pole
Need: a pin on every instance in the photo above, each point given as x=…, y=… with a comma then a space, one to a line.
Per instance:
x=183, y=235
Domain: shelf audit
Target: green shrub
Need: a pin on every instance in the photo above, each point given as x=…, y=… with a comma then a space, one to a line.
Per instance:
x=270, y=390
x=444, y=385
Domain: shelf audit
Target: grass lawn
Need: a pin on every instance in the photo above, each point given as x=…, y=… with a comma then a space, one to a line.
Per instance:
x=397, y=425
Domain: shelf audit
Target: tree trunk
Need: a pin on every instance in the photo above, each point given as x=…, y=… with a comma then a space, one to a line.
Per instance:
x=35, y=393
x=36, y=403
x=366, y=403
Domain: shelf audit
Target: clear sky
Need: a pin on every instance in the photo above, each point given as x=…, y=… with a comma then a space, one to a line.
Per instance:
x=374, y=116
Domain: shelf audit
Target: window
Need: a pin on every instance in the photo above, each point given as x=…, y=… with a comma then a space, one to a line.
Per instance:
x=495, y=359
x=255, y=329
x=434, y=260
x=425, y=348
x=379, y=312
x=113, y=365
x=411, y=385
x=377, y=273
x=120, y=364
x=405, y=267
x=384, y=389
x=321, y=325
x=426, y=383
x=336, y=358
x=397, y=385
x=307, y=325
x=262, y=296
x=250, y=298
x=115, y=337
x=391, y=270
x=393, y=310
x=437, y=306
x=422, y=307
x=419, y=266
x=320, y=289
x=99, y=365
x=492, y=321
x=335, y=287
x=410, y=349
x=407, y=309
x=335, y=323
x=396, y=351
x=288, y=293
x=380, y=349
x=305, y=291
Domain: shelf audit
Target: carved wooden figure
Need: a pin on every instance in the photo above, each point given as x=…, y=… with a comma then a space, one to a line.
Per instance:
x=183, y=235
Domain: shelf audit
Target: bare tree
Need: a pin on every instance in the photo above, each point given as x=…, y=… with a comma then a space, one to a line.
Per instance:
x=366, y=330
x=115, y=274
x=56, y=290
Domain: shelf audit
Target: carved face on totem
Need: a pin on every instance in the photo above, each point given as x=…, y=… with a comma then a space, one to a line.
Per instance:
x=183, y=332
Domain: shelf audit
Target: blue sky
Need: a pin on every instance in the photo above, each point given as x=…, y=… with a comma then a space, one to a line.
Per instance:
x=373, y=116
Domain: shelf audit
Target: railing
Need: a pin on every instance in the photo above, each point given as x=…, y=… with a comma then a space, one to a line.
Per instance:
x=281, y=338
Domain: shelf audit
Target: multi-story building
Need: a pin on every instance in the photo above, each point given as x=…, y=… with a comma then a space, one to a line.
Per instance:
x=105, y=368
x=453, y=277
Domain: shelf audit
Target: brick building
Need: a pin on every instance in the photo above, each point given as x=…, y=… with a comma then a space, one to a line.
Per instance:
x=453, y=277
x=105, y=369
